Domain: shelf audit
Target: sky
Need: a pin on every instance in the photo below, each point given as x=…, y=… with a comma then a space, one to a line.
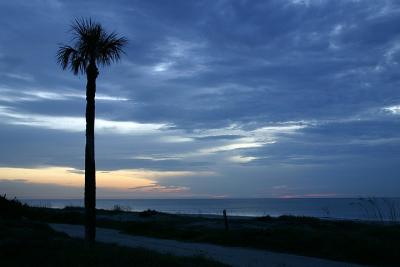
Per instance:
x=213, y=99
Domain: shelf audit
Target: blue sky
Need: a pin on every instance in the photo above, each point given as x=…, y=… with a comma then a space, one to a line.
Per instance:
x=279, y=98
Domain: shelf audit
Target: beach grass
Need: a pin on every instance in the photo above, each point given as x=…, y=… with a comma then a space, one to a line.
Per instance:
x=27, y=243
x=350, y=241
x=26, y=240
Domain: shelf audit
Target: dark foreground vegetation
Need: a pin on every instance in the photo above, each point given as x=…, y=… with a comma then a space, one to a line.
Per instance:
x=358, y=242
x=27, y=242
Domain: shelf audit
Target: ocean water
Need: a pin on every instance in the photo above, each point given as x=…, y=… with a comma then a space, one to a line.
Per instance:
x=338, y=208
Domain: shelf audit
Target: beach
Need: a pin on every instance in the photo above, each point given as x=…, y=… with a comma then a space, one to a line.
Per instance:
x=349, y=241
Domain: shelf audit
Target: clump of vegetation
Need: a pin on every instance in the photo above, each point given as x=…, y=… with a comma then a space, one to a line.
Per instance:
x=299, y=219
x=265, y=218
x=120, y=209
x=148, y=213
x=12, y=208
x=383, y=210
x=73, y=208
x=117, y=208
x=360, y=242
x=26, y=243
x=365, y=243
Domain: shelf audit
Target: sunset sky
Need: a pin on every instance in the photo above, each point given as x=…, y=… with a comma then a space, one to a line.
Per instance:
x=214, y=98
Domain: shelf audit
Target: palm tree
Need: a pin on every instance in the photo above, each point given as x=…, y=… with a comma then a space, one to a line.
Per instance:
x=92, y=46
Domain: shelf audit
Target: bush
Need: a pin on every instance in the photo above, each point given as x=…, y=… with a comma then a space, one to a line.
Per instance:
x=148, y=213
x=11, y=208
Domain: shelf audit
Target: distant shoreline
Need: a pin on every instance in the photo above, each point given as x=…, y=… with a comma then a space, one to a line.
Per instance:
x=355, y=209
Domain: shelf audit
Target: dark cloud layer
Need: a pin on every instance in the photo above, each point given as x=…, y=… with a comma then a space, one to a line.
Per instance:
x=301, y=96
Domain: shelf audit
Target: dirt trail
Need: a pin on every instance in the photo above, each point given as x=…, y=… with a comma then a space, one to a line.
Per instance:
x=234, y=256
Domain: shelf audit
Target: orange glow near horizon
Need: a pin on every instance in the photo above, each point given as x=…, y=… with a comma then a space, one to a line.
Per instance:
x=65, y=176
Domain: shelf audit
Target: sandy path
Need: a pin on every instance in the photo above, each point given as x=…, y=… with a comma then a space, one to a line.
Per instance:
x=233, y=256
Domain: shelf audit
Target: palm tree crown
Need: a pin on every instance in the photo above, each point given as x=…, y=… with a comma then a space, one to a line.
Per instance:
x=92, y=44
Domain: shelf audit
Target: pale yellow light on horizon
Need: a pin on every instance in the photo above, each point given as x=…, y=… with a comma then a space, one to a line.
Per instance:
x=64, y=176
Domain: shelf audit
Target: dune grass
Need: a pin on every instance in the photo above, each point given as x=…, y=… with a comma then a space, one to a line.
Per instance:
x=26, y=243
x=371, y=244
x=358, y=242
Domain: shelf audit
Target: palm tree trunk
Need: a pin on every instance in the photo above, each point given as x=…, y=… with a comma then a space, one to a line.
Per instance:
x=90, y=167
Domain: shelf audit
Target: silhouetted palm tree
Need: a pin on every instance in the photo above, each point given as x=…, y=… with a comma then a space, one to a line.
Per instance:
x=92, y=46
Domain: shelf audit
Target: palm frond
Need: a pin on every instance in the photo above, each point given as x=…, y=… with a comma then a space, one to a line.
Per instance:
x=64, y=54
x=78, y=64
x=68, y=56
x=86, y=35
x=91, y=44
x=111, y=48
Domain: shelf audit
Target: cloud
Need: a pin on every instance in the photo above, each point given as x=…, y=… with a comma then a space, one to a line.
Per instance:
x=118, y=181
x=252, y=93
x=77, y=124
x=27, y=95
x=248, y=138
x=242, y=159
x=19, y=76
x=160, y=189
x=393, y=109
x=241, y=144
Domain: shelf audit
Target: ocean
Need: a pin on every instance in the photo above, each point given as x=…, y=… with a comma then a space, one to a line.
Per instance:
x=387, y=209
